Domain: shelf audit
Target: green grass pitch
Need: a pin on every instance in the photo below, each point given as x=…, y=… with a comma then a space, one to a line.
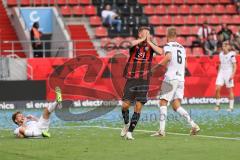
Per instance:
x=219, y=139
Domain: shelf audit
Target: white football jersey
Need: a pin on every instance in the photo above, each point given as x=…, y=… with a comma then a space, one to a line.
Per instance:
x=31, y=125
x=226, y=61
x=176, y=66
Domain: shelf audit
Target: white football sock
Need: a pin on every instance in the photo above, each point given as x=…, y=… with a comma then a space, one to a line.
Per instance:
x=231, y=103
x=217, y=102
x=52, y=106
x=185, y=114
x=163, y=117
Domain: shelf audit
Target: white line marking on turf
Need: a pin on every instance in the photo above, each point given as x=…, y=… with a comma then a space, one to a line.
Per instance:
x=148, y=131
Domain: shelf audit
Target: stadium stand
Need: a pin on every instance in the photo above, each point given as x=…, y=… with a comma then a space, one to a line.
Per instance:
x=7, y=33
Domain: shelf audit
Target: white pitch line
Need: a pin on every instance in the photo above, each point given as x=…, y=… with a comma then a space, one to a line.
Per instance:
x=148, y=131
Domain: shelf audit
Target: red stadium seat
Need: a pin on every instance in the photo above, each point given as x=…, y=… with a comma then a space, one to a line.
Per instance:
x=130, y=39
x=190, y=20
x=231, y=9
x=25, y=2
x=101, y=32
x=219, y=9
x=62, y=2
x=213, y=1
x=149, y=10
x=168, y=2
x=118, y=40
x=66, y=11
x=198, y=51
x=184, y=30
x=155, y=2
x=226, y=19
x=213, y=20
x=160, y=31
x=155, y=20
x=207, y=9
x=190, y=2
x=85, y=2
x=78, y=11
x=181, y=40
x=167, y=20
x=234, y=28
x=73, y=2
x=95, y=21
x=90, y=10
x=178, y=2
x=188, y=51
x=196, y=9
x=144, y=2
x=201, y=19
x=224, y=1
x=236, y=19
x=190, y=39
x=172, y=9
x=184, y=9
x=37, y=2
x=201, y=2
x=11, y=2
x=194, y=30
x=48, y=2
x=160, y=9
x=178, y=20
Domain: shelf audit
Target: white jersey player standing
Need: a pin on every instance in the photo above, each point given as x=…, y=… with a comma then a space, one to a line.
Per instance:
x=226, y=73
x=172, y=89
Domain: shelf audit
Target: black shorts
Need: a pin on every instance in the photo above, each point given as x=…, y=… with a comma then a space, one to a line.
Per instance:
x=136, y=90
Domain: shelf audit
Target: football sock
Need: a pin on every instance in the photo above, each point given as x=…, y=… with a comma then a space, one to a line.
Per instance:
x=134, y=121
x=52, y=107
x=163, y=117
x=231, y=103
x=217, y=102
x=125, y=115
x=185, y=114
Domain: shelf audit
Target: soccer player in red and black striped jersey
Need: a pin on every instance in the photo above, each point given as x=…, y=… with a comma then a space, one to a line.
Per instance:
x=137, y=72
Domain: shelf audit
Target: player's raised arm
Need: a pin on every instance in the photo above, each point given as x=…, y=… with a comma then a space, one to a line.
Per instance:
x=165, y=59
x=234, y=70
x=157, y=49
x=138, y=41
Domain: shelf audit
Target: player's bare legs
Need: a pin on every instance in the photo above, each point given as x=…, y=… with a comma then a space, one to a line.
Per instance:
x=176, y=104
x=163, y=117
x=125, y=114
x=218, y=96
x=128, y=128
x=231, y=99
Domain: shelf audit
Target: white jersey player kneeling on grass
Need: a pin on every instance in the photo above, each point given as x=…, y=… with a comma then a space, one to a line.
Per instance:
x=30, y=126
x=172, y=88
x=226, y=72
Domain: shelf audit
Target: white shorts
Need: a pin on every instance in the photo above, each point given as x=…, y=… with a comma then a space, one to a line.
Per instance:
x=223, y=78
x=43, y=124
x=171, y=90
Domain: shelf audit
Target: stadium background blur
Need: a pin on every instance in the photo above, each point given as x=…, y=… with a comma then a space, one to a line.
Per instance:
x=74, y=28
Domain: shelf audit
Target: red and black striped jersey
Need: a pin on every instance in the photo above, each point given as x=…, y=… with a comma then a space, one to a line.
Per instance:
x=139, y=62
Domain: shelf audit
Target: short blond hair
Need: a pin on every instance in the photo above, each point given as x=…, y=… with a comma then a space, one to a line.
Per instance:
x=171, y=32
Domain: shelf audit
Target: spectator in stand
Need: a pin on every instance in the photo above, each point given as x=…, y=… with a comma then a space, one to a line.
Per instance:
x=238, y=7
x=225, y=34
x=203, y=32
x=110, y=17
x=236, y=41
x=36, y=40
x=210, y=46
